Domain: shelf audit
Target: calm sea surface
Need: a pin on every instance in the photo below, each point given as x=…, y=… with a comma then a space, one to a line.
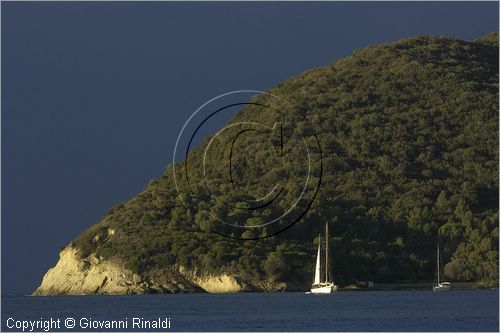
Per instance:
x=343, y=311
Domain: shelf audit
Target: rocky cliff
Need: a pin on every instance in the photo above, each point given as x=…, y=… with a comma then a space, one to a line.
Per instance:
x=74, y=275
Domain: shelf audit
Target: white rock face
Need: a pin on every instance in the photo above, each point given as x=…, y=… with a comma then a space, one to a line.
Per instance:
x=75, y=276
x=219, y=284
x=222, y=283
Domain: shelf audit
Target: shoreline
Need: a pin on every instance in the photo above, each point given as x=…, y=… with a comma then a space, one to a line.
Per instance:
x=341, y=290
x=423, y=286
x=417, y=286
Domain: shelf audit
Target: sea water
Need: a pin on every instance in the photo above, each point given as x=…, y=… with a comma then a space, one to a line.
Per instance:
x=342, y=311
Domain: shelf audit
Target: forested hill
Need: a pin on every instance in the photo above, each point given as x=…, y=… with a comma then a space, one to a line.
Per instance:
x=409, y=138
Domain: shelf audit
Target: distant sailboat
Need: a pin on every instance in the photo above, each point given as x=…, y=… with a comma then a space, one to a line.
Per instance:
x=440, y=286
x=322, y=286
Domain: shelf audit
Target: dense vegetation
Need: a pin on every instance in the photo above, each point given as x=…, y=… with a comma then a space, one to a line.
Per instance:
x=409, y=133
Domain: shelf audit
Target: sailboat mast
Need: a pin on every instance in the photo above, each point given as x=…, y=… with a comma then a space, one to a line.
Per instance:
x=326, y=252
x=438, y=262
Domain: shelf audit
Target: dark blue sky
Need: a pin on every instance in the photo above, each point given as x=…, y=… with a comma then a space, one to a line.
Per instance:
x=94, y=94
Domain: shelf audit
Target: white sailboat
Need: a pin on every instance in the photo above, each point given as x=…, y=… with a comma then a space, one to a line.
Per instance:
x=440, y=286
x=323, y=286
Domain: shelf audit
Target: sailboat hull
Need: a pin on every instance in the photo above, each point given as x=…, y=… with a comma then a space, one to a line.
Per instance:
x=326, y=289
x=445, y=286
